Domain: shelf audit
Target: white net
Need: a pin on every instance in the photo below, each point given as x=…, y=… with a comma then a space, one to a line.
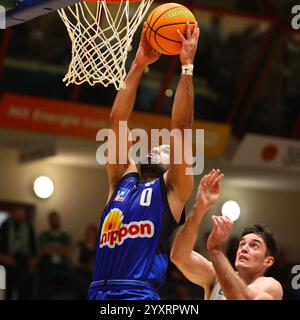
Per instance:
x=101, y=35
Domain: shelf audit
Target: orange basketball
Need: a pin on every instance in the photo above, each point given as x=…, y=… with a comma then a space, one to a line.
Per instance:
x=162, y=25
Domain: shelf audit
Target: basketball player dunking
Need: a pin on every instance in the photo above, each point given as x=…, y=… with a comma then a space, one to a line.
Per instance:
x=143, y=207
x=255, y=255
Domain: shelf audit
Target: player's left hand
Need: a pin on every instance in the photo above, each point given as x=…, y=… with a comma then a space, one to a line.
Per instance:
x=189, y=43
x=145, y=54
x=209, y=189
x=222, y=228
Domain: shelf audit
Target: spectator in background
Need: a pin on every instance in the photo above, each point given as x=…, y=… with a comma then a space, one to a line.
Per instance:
x=18, y=254
x=87, y=249
x=55, y=250
x=84, y=261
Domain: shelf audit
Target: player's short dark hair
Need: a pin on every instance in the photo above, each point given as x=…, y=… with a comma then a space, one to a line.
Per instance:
x=268, y=237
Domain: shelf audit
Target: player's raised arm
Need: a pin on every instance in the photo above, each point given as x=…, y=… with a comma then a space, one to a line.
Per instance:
x=176, y=178
x=191, y=263
x=122, y=109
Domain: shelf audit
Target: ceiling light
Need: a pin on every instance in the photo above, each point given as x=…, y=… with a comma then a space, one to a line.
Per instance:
x=43, y=187
x=231, y=210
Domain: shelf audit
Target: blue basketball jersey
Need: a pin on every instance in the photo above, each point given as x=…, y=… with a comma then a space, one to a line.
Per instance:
x=134, y=235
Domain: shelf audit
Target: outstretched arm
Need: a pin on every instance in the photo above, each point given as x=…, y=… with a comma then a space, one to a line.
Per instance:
x=192, y=264
x=177, y=180
x=234, y=287
x=122, y=109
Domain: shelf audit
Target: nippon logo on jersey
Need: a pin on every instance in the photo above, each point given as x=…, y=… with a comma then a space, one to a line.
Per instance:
x=121, y=195
x=114, y=232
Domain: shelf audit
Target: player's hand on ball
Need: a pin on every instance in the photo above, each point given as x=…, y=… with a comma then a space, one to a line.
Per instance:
x=145, y=54
x=189, y=44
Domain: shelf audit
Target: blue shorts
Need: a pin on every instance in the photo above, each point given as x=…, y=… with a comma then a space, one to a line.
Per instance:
x=122, y=290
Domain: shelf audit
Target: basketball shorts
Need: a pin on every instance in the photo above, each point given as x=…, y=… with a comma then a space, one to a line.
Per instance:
x=121, y=290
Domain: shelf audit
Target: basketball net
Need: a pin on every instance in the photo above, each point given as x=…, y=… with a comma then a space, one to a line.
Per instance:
x=101, y=35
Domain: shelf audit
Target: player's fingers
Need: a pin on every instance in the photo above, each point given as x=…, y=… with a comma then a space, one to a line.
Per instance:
x=223, y=224
x=229, y=223
x=217, y=178
x=182, y=38
x=211, y=172
x=204, y=180
x=219, y=220
x=188, y=31
x=214, y=220
x=207, y=177
x=155, y=52
x=143, y=35
x=222, y=220
x=144, y=29
x=219, y=227
x=196, y=30
x=212, y=176
x=227, y=227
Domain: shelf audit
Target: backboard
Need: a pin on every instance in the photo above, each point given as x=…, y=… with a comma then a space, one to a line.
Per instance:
x=30, y=9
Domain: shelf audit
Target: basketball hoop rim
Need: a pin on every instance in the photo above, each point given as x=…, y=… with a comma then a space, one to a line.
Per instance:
x=112, y=1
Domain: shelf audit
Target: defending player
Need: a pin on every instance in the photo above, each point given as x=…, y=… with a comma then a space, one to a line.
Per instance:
x=256, y=253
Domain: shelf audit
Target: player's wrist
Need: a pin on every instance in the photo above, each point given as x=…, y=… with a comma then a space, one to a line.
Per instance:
x=139, y=64
x=214, y=249
x=187, y=69
x=202, y=206
x=199, y=211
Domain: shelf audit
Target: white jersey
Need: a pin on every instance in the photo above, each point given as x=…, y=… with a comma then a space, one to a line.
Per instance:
x=217, y=293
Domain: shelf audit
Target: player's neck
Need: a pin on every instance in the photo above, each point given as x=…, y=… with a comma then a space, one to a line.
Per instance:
x=249, y=277
x=148, y=177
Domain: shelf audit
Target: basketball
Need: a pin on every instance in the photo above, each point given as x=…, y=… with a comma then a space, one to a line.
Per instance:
x=162, y=25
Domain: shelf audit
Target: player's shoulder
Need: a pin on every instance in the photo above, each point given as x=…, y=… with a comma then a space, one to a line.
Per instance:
x=270, y=285
x=130, y=176
x=267, y=281
x=127, y=181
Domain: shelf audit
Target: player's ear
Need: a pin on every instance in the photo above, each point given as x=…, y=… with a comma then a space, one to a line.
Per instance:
x=269, y=261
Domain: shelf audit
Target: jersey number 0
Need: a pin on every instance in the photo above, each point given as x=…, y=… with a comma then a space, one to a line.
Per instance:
x=146, y=197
